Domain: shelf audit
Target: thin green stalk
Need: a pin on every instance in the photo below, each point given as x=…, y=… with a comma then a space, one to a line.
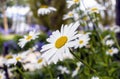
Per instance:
x=51, y=76
x=22, y=73
x=67, y=65
x=82, y=61
x=116, y=41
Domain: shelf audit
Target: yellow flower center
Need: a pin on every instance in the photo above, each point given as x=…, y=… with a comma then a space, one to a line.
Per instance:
x=110, y=51
x=76, y=1
x=8, y=56
x=70, y=14
x=18, y=58
x=40, y=60
x=29, y=37
x=61, y=42
x=43, y=6
x=94, y=9
x=0, y=77
x=85, y=18
x=81, y=42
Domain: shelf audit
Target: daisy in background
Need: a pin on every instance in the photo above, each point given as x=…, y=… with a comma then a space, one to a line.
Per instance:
x=44, y=9
x=72, y=2
x=112, y=51
x=40, y=63
x=37, y=64
x=59, y=43
x=63, y=70
x=37, y=61
x=83, y=40
x=109, y=42
x=75, y=72
x=95, y=77
x=71, y=14
x=13, y=59
x=114, y=28
x=31, y=36
x=95, y=9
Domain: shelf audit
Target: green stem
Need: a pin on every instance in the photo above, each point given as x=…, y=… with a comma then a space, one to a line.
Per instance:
x=51, y=76
x=82, y=61
x=116, y=41
x=67, y=65
x=22, y=73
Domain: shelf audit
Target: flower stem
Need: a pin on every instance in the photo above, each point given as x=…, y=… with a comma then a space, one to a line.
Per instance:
x=116, y=41
x=82, y=61
x=51, y=76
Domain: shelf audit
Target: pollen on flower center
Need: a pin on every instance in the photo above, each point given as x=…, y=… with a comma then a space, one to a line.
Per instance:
x=40, y=60
x=18, y=58
x=85, y=18
x=43, y=6
x=61, y=42
x=81, y=42
x=76, y=1
x=110, y=51
x=29, y=37
x=8, y=56
x=94, y=9
x=70, y=14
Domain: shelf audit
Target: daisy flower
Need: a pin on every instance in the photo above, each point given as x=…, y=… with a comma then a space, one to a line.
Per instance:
x=13, y=59
x=37, y=64
x=40, y=63
x=44, y=9
x=59, y=43
x=109, y=42
x=114, y=28
x=72, y=2
x=63, y=69
x=71, y=14
x=31, y=36
x=95, y=9
x=112, y=51
x=94, y=77
x=82, y=40
x=68, y=15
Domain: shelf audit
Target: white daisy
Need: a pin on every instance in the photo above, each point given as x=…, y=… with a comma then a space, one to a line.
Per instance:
x=68, y=15
x=44, y=9
x=59, y=43
x=95, y=9
x=109, y=42
x=40, y=63
x=95, y=77
x=63, y=69
x=82, y=40
x=31, y=36
x=114, y=28
x=75, y=72
x=37, y=64
x=72, y=2
x=13, y=59
x=112, y=51
x=71, y=14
